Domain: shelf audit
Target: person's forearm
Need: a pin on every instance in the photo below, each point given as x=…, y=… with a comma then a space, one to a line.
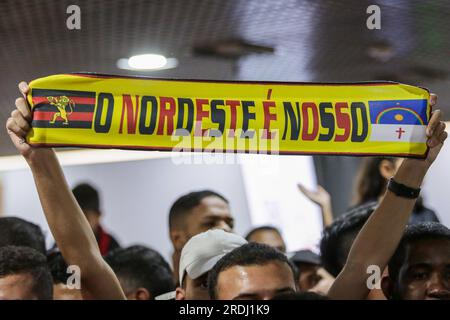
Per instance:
x=67, y=222
x=71, y=229
x=385, y=226
x=379, y=237
x=327, y=214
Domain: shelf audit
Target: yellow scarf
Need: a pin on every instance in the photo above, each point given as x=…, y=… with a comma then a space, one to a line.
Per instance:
x=90, y=110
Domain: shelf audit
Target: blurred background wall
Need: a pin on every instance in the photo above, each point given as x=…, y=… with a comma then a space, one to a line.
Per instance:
x=135, y=196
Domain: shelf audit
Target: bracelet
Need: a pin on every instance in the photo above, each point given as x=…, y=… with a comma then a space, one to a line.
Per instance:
x=402, y=190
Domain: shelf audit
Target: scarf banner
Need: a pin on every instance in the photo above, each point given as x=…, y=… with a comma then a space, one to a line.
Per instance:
x=100, y=111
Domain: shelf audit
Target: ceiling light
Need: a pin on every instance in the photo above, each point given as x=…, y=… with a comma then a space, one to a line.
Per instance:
x=147, y=62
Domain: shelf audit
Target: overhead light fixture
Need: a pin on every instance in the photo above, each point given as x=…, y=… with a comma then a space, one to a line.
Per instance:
x=231, y=49
x=147, y=62
x=381, y=51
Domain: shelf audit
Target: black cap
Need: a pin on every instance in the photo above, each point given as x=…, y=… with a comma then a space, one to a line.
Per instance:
x=305, y=256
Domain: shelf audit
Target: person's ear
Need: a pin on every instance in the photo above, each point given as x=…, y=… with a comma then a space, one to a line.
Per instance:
x=178, y=238
x=387, y=285
x=143, y=294
x=180, y=294
x=140, y=294
x=387, y=169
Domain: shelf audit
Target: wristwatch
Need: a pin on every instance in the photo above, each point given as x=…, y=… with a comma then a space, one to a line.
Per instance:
x=402, y=190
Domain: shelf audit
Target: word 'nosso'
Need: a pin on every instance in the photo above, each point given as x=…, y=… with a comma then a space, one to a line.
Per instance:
x=307, y=121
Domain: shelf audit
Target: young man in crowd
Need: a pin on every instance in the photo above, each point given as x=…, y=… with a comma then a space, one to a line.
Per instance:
x=338, y=237
x=253, y=271
x=89, y=201
x=78, y=245
x=194, y=213
x=143, y=273
x=24, y=274
x=268, y=235
x=310, y=274
x=420, y=267
x=18, y=232
x=198, y=257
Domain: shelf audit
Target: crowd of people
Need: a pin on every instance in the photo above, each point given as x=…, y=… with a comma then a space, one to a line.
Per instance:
x=387, y=228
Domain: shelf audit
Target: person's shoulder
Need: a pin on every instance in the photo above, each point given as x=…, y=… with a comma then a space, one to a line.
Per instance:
x=424, y=214
x=370, y=205
x=114, y=244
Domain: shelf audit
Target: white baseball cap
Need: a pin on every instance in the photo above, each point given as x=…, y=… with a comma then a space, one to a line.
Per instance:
x=201, y=252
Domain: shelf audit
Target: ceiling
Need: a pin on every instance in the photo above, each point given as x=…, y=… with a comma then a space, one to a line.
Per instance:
x=320, y=40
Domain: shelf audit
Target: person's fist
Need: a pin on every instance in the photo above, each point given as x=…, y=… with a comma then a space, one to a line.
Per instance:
x=435, y=132
x=18, y=124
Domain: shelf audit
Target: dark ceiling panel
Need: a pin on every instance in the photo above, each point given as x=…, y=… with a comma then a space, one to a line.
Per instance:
x=313, y=41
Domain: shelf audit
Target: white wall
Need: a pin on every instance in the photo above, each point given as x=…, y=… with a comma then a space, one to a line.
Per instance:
x=274, y=198
x=136, y=196
x=436, y=188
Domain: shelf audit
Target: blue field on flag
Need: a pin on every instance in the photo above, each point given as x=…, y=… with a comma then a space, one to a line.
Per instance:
x=409, y=112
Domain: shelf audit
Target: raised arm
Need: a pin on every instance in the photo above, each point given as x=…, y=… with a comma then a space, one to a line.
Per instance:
x=67, y=222
x=379, y=237
x=322, y=198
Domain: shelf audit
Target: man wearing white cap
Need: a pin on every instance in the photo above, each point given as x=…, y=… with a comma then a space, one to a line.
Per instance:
x=198, y=257
x=194, y=213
